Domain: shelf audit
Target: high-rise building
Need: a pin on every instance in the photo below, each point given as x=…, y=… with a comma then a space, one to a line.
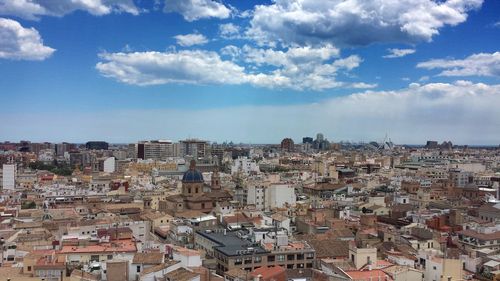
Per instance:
x=62, y=148
x=320, y=137
x=155, y=149
x=97, y=145
x=320, y=143
x=307, y=140
x=193, y=147
x=431, y=144
x=287, y=144
x=9, y=176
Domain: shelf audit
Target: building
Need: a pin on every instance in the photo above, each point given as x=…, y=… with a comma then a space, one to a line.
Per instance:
x=97, y=145
x=321, y=143
x=193, y=147
x=109, y=165
x=195, y=194
x=244, y=166
x=280, y=195
x=480, y=238
x=155, y=150
x=256, y=195
x=9, y=172
x=307, y=140
x=287, y=144
x=232, y=251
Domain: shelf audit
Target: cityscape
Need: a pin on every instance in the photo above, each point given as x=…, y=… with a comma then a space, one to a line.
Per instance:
x=262, y=140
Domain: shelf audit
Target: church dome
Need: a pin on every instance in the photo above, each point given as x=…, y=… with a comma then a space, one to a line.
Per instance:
x=192, y=175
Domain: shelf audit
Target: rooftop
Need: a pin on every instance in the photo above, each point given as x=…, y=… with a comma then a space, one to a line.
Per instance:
x=231, y=243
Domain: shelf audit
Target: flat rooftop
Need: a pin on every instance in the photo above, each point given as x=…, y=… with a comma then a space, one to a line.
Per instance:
x=231, y=244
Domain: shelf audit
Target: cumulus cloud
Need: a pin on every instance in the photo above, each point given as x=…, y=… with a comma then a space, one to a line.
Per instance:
x=482, y=64
x=184, y=67
x=191, y=39
x=231, y=51
x=33, y=9
x=397, y=53
x=229, y=31
x=193, y=10
x=297, y=68
x=19, y=43
x=415, y=114
x=355, y=22
x=302, y=68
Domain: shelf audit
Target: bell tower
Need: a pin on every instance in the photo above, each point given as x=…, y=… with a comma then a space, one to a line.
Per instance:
x=215, y=184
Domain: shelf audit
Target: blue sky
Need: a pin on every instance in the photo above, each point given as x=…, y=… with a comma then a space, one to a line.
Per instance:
x=250, y=71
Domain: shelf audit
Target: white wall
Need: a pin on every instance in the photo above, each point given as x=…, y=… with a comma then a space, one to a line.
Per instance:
x=9, y=176
x=109, y=165
x=279, y=194
x=256, y=196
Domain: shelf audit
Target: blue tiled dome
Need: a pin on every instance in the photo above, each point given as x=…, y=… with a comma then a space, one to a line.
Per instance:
x=192, y=175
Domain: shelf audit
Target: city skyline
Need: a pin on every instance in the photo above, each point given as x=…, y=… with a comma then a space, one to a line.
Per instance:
x=252, y=72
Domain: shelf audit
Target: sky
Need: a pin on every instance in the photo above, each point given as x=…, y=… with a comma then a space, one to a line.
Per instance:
x=250, y=71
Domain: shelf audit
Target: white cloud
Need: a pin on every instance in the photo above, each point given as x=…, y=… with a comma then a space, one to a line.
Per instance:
x=355, y=22
x=231, y=51
x=292, y=56
x=482, y=64
x=19, y=43
x=301, y=67
x=397, y=53
x=229, y=31
x=363, y=85
x=34, y=9
x=184, y=67
x=298, y=68
x=193, y=10
x=462, y=112
x=191, y=39
x=424, y=78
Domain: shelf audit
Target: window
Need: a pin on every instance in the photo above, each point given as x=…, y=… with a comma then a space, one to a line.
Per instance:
x=110, y=257
x=257, y=259
x=138, y=269
x=29, y=268
x=280, y=257
x=270, y=258
x=290, y=257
